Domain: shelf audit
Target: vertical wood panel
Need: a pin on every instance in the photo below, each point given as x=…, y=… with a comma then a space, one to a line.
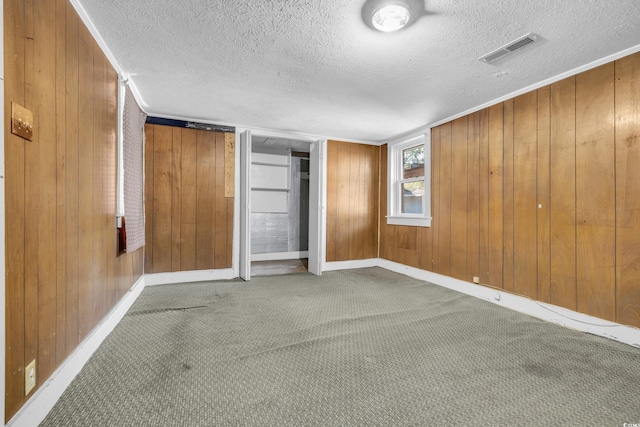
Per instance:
x=332, y=199
x=563, y=198
x=97, y=211
x=31, y=188
x=543, y=197
x=435, y=197
x=524, y=191
x=176, y=197
x=444, y=230
x=353, y=212
x=14, y=66
x=205, y=191
x=85, y=195
x=162, y=146
x=459, y=196
x=508, y=205
x=627, y=110
x=220, y=226
x=473, y=197
x=343, y=197
x=382, y=211
x=483, y=195
x=496, y=195
x=61, y=176
x=149, y=180
x=188, y=202
x=595, y=192
x=72, y=214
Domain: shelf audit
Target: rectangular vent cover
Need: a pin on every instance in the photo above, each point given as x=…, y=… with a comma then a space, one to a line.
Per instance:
x=509, y=48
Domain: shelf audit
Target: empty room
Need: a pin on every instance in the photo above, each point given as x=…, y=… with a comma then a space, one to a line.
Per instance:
x=330, y=213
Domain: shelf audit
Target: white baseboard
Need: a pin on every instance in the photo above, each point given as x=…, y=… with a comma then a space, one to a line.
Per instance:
x=188, y=276
x=277, y=256
x=39, y=405
x=347, y=265
x=549, y=312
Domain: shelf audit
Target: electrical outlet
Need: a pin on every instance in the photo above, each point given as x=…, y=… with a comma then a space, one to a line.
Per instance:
x=30, y=377
x=476, y=279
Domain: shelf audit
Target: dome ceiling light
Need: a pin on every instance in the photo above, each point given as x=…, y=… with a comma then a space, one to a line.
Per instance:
x=391, y=15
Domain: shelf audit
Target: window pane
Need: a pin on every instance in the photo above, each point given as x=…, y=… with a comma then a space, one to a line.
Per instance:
x=413, y=162
x=411, y=197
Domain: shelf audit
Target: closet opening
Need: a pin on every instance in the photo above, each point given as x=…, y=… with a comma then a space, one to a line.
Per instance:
x=279, y=217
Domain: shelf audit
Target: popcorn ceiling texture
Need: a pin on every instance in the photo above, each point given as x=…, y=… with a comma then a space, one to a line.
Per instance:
x=315, y=67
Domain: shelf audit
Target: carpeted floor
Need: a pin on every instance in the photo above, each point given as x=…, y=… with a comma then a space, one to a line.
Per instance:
x=353, y=348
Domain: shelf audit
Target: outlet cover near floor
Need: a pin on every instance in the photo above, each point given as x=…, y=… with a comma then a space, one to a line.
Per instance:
x=30, y=377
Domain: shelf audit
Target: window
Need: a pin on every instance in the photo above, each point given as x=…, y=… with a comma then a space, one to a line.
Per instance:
x=409, y=175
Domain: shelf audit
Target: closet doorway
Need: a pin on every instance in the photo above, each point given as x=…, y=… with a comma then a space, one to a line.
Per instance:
x=280, y=204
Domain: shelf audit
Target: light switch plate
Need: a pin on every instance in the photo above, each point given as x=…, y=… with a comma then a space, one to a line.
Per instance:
x=29, y=377
x=21, y=121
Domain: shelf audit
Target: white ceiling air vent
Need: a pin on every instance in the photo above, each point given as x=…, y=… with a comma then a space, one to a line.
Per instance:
x=509, y=48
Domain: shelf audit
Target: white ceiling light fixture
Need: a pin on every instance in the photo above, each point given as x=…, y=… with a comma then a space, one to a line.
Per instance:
x=391, y=17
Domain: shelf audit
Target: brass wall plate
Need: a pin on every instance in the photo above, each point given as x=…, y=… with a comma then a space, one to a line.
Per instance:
x=21, y=121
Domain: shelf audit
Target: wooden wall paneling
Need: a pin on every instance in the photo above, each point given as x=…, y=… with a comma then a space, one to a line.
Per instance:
x=627, y=106
x=483, y=195
x=368, y=171
x=332, y=199
x=375, y=191
x=595, y=192
x=473, y=197
x=98, y=196
x=176, y=197
x=382, y=211
x=32, y=202
x=85, y=187
x=72, y=175
x=353, y=190
x=563, y=198
x=205, y=193
x=508, y=197
x=343, y=216
x=543, y=196
x=60, y=190
x=496, y=194
x=44, y=100
x=435, y=197
x=444, y=230
x=14, y=146
x=162, y=198
x=229, y=201
x=220, y=225
x=525, y=255
x=149, y=180
x=188, y=202
x=459, y=195
x=61, y=176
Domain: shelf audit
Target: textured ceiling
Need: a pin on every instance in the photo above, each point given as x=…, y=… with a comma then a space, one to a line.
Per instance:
x=314, y=67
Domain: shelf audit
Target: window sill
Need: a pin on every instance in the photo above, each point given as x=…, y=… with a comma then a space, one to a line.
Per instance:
x=421, y=221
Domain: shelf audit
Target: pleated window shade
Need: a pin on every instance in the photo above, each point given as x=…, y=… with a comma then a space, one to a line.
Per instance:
x=133, y=119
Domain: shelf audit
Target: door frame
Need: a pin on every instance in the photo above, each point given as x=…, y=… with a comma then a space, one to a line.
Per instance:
x=317, y=198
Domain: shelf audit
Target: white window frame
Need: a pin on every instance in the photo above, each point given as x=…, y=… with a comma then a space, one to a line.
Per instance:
x=394, y=182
